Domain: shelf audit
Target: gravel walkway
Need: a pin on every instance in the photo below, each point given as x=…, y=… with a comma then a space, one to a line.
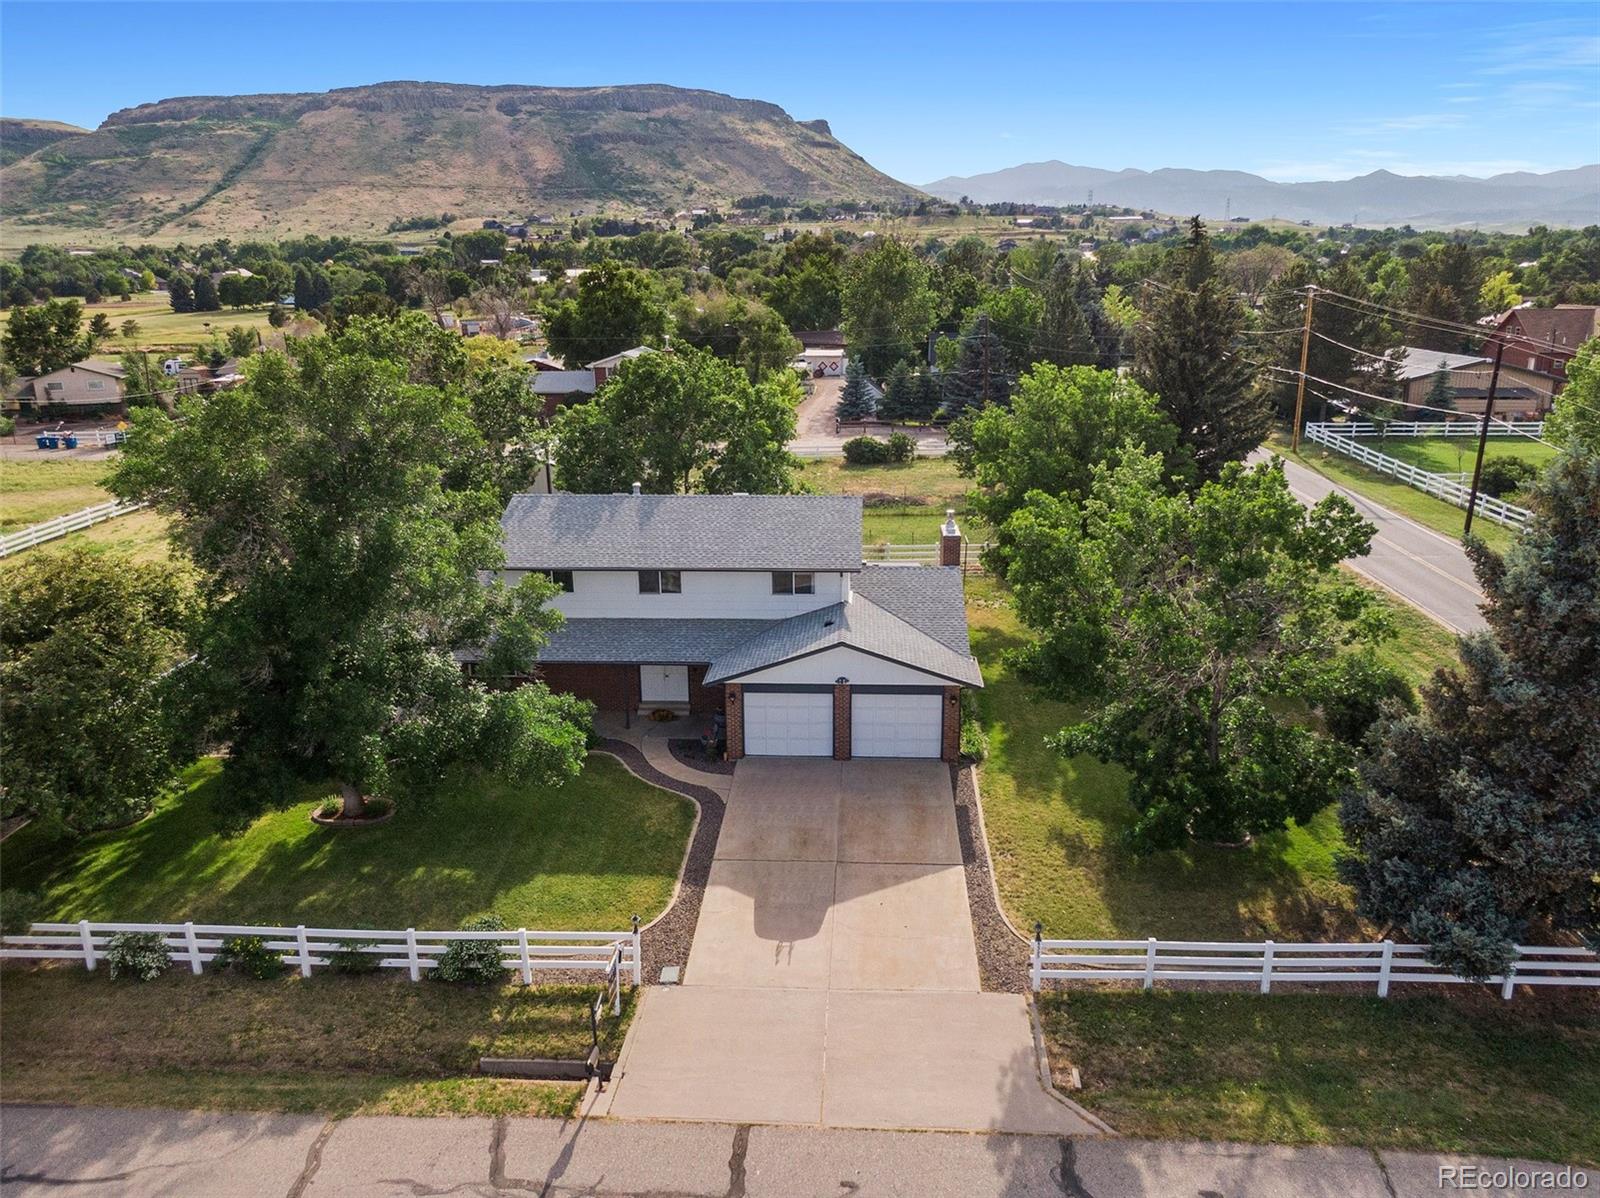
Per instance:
x=666, y=942
x=1002, y=958
x=688, y=752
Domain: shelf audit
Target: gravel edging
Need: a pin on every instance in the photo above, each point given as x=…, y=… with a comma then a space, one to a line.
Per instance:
x=678, y=746
x=1003, y=957
x=665, y=941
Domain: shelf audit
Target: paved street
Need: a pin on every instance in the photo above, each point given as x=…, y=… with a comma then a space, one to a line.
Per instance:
x=175, y=1154
x=1423, y=567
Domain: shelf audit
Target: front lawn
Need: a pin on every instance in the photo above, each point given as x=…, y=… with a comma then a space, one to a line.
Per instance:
x=335, y=1044
x=586, y=855
x=1465, y=1074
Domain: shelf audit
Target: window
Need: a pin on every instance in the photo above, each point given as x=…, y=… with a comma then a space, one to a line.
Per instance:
x=54, y=386
x=97, y=386
x=562, y=578
x=660, y=582
x=793, y=582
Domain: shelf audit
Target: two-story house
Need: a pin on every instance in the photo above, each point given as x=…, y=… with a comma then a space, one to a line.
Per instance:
x=758, y=606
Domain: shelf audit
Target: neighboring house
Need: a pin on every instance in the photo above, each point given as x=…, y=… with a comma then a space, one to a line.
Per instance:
x=822, y=363
x=544, y=362
x=1544, y=340
x=604, y=368
x=1519, y=394
x=820, y=339
x=83, y=386
x=755, y=606
x=558, y=388
x=199, y=378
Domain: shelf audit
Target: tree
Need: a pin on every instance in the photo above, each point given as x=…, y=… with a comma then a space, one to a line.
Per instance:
x=510, y=420
x=980, y=375
x=205, y=294
x=1186, y=352
x=1015, y=315
x=88, y=641
x=855, y=401
x=313, y=288
x=1441, y=396
x=927, y=396
x=277, y=315
x=1498, y=293
x=1198, y=623
x=738, y=330
x=899, y=394
x=146, y=384
x=678, y=423
x=99, y=330
x=1576, y=418
x=180, y=293
x=1476, y=823
x=617, y=308
x=130, y=330
x=241, y=341
x=806, y=289
x=888, y=304
x=44, y=337
x=342, y=572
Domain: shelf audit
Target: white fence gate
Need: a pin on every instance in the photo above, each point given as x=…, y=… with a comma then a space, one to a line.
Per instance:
x=1335, y=437
x=60, y=526
x=1267, y=963
x=522, y=949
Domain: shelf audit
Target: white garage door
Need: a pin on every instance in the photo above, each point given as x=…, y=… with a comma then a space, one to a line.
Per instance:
x=896, y=725
x=782, y=724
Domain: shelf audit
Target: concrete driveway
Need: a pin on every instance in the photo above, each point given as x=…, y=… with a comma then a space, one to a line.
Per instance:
x=833, y=977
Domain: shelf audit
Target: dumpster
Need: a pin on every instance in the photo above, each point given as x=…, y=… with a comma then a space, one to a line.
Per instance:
x=51, y=441
x=42, y=441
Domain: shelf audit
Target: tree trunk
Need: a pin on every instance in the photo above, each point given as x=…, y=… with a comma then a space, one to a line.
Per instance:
x=355, y=803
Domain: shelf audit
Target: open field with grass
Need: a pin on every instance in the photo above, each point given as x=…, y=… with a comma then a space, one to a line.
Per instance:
x=35, y=490
x=904, y=502
x=1455, y=455
x=329, y=1043
x=1393, y=494
x=1468, y=1073
x=586, y=855
x=162, y=328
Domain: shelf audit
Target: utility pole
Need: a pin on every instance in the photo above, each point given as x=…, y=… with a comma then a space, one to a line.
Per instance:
x=1483, y=436
x=1305, y=356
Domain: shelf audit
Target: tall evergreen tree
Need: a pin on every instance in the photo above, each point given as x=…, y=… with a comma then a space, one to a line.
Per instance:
x=899, y=394
x=205, y=294
x=927, y=396
x=855, y=402
x=1065, y=335
x=180, y=293
x=1476, y=823
x=980, y=376
x=1187, y=352
x=1440, y=397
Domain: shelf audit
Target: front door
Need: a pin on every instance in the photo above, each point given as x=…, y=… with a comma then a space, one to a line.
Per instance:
x=663, y=684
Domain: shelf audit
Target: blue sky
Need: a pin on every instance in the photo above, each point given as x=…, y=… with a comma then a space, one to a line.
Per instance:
x=1287, y=90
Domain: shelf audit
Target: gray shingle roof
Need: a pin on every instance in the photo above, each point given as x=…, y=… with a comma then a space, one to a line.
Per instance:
x=683, y=532
x=877, y=620
x=674, y=642
x=1419, y=363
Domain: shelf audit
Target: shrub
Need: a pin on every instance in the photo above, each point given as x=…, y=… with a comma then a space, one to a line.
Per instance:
x=1502, y=476
x=8, y=425
x=974, y=744
x=330, y=807
x=348, y=957
x=1355, y=690
x=18, y=910
x=250, y=956
x=144, y=955
x=902, y=447
x=866, y=451
x=475, y=962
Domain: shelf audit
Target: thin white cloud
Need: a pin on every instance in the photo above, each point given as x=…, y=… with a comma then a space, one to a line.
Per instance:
x=1406, y=123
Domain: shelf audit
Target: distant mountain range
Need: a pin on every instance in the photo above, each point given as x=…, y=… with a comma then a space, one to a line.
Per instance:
x=1570, y=197
x=354, y=159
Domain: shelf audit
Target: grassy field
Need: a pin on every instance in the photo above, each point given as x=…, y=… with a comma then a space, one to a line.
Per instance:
x=585, y=855
x=1393, y=494
x=35, y=490
x=904, y=503
x=1465, y=1074
x=162, y=328
x=330, y=1043
x=1455, y=455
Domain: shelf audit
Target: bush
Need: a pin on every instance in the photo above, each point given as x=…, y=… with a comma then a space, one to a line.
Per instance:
x=144, y=955
x=1502, y=476
x=348, y=957
x=1354, y=692
x=18, y=910
x=867, y=451
x=250, y=956
x=8, y=425
x=475, y=962
x=974, y=744
x=330, y=807
x=902, y=447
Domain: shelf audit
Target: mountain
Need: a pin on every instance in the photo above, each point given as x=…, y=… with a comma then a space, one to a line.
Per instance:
x=21, y=136
x=1570, y=197
x=354, y=159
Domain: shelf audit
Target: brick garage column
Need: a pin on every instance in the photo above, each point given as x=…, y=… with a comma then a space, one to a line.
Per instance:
x=841, y=721
x=950, y=745
x=733, y=709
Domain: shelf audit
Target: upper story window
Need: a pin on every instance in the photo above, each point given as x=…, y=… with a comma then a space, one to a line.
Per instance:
x=793, y=582
x=660, y=582
x=97, y=386
x=562, y=578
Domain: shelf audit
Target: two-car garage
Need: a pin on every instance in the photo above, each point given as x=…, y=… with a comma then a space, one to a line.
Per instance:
x=799, y=722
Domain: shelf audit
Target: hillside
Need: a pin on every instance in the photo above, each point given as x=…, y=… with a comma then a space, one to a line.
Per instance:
x=354, y=159
x=1517, y=200
x=21, y=136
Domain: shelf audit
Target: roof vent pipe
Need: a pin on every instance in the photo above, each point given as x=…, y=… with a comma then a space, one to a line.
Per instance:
x=637, y=489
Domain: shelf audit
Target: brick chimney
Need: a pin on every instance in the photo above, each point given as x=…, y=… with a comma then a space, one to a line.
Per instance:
x=949, y=540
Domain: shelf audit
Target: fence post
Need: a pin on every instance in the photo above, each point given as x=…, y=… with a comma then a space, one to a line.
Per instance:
x=1036, y=967
x=1150, y=963
x=638, y=955
x=1383, y=969
x=194, y=947
x=1510, y=983
x=411, y=954
x=87, y=940
x=305, y=951
x=616, y=979
x=527, y=962
x=1266, y=968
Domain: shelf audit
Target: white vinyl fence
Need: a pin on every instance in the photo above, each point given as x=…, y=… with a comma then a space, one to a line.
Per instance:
x=1335, y=437
x=49, y=530
x=923, y=555
x=522, y=949
x=1440, y=428
x=1268, y=963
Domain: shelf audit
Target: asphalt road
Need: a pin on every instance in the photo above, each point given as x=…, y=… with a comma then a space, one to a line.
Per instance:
x=173, y=1154
x=1426, y=569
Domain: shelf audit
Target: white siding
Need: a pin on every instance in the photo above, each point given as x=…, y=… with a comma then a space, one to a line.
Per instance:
x=707, y=594
x=788, y=725
x=862, y=669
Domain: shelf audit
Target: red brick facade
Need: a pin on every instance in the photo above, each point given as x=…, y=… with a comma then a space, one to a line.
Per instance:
x=950, y=746
x=703, y=699
x=841, y=722
x=610, y=688
x=733, y=698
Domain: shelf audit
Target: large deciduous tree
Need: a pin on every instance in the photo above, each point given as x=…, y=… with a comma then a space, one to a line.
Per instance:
x=86, y=647
x=45, y=337
x=617, y=308
x=342, y=569
x=1187, y=352
x=677, y=423
x=1476, y=823
x=1198, y=622
x=1576, y=418
x=888, y=304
